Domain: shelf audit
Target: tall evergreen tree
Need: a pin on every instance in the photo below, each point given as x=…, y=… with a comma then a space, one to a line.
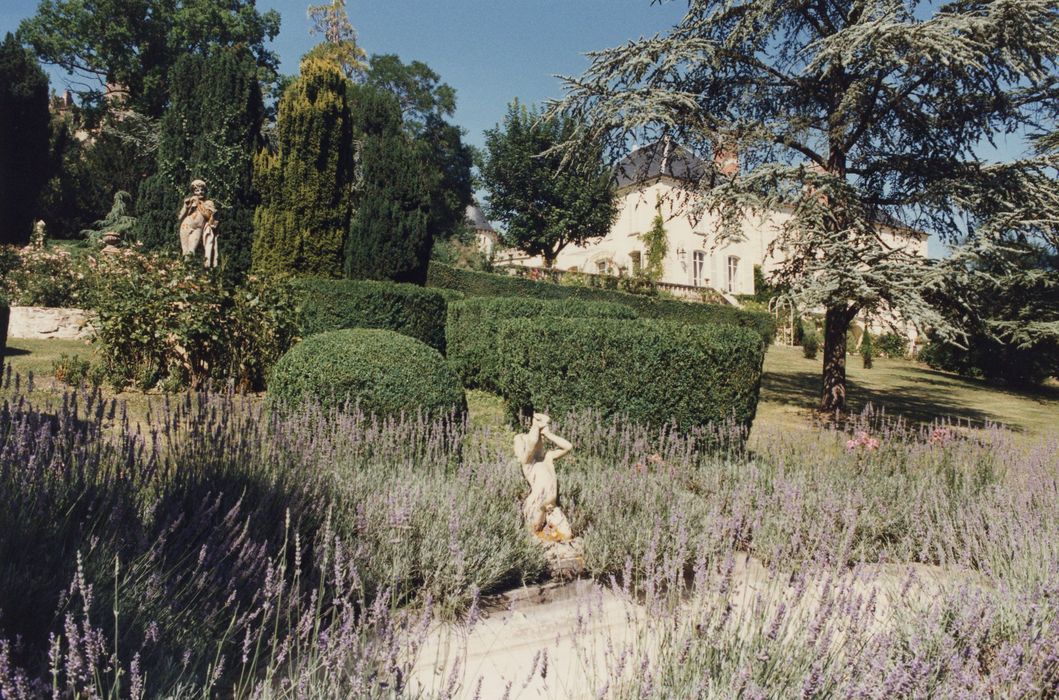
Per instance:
x=25, y=132
x=305, y=183
x=389, y=236
x=849, y=113
x=211, y=132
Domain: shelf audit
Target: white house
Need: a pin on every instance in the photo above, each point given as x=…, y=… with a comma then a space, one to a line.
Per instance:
x=655, y=179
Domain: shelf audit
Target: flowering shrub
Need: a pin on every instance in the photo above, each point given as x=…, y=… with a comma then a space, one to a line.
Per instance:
x=862, y=441
x=164, y=319
x=42, y=276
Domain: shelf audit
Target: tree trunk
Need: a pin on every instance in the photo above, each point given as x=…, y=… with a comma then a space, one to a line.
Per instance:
x=836, y=324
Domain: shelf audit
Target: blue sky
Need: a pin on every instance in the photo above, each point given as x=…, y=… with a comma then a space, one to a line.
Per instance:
x=491, y=51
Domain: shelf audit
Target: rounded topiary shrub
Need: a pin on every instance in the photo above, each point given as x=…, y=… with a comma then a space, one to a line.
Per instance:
x=378, y=371
x=329, y=305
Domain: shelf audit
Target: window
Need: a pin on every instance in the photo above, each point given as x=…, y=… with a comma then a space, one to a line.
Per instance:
x=698, y=264
x=733, y=271
x=634, y=256
x=601, y=267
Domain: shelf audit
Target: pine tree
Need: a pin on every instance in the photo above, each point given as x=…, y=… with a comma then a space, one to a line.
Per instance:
x=847, y=114
x=210, y=132
x=305, y=184
x=25, y=132
x=389, y=237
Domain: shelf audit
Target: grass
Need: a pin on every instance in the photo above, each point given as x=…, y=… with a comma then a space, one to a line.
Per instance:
x=789, y=392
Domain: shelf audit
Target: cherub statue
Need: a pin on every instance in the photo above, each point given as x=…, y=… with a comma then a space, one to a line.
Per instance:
x=198, y=224
x=541, y=511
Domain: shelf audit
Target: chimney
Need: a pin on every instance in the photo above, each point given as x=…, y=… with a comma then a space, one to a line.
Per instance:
x=726, y=158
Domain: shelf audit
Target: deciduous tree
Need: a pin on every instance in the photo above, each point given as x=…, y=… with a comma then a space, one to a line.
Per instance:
x=545, y=205
x=847, y=114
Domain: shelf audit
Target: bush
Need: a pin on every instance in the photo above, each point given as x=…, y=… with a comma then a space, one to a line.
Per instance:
x=379, y=371
x=472, y=328
x=867, y=352
x=654, y=372
x=330, y=305
x=483, y=284
x=164, y=319
x=891, y=345
x=40, y=275
x=72, y=370
x=810, y=341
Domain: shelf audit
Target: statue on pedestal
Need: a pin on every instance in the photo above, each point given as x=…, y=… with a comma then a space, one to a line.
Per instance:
x=541, y=511
x=198, y=224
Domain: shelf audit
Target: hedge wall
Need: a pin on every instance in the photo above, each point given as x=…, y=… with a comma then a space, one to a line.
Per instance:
x=654, y=372
x=328, y=305
x=473, y=324
x=383, y=372
x=484, y=284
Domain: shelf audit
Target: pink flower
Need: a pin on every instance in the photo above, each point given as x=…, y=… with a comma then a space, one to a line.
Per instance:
x=864, y=441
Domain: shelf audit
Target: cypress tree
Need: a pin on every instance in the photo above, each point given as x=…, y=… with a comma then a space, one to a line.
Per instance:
x=389, y=236
x=305, y=184
x=210, y=132
x=25, y=132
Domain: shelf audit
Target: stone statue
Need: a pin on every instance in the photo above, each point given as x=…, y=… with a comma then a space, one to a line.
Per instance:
x=198, y=224
x=540, y=510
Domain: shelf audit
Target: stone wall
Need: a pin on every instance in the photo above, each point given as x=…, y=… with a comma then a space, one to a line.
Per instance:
x=37, y=322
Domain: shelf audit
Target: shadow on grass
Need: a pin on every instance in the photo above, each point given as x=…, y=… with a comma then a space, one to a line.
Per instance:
x=928, y=396
x=14, y=352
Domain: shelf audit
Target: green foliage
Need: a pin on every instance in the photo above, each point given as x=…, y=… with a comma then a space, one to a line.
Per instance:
x=210, y=132
x=545, y=204
x=472, y=327
x=73, y=195
x=378, y=371
x=867, y=350
x=1006, y=298
x=73, y=370
x=858, y=118
x=656, y=245
x=25, y=133
x=340, y=39
x=388, y=235
x=810, y=341
x=301, y=225
x=118, y=219
x=165, y=320
x=135, y=43
x=483, y=284
x=44, y=275
x=655, y=372
x=892, y=345
x=327, y=305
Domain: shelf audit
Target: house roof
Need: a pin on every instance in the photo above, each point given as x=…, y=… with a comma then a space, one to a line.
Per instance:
x=661, y=158
x=476, y=218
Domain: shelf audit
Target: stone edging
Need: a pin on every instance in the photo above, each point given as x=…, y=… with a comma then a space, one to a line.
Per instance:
x=38, y=323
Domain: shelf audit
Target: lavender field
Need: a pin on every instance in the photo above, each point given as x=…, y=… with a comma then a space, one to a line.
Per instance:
x=221, y=552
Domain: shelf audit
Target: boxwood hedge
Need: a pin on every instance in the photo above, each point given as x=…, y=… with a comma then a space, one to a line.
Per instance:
x=383, y=372
x=329, y=304
x=484, y=284
x=472, y=327
x=654, y=372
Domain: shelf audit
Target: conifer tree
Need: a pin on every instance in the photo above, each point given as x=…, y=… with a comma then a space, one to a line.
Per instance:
x=25, y=132
x=305, y=183
x=210, y=132
x=389, y=236
x=847, y=113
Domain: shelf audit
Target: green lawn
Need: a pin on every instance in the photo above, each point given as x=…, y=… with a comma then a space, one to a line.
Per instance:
x=789, y=391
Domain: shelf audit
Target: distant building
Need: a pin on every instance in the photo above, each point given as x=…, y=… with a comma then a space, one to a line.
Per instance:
x=657, y=179
x=484, y=234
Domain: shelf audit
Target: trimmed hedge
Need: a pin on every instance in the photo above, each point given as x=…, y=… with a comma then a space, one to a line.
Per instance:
x=473, y=325
x=653, y=372
x=383, y=372
x=329, y=305
x=484, y=284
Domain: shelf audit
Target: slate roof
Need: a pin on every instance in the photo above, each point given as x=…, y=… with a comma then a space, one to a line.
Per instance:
x=656, y=159
x=476, y=218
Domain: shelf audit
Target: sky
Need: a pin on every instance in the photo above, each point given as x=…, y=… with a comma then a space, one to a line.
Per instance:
x=490, y=51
